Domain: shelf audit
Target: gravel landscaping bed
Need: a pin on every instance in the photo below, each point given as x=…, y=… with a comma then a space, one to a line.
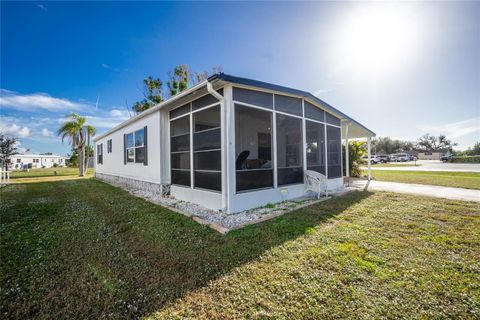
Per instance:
x=221, y=221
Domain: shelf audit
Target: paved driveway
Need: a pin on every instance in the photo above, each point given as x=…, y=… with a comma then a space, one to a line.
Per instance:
x=418, y=189
x=435, y=165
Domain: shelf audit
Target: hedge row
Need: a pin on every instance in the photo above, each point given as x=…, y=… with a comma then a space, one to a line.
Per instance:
x=467, y=159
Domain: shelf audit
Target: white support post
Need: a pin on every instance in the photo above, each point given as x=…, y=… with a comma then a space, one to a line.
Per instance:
x=224, y=154
x=304, y=138
x=274, y=147
x=325, y=139
x=191, y=151
x=230, y=125
x=224, y=129
x=369, y=158
x=347, y=154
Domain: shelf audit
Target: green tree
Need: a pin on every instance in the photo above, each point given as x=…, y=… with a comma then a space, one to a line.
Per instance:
x=475, y=151
x=78, y=132
x=73, y=159
x=179, y=79
x=152, y=92
x=356, y=150
x=434, y=143
x=8, y=148
x=387, y=145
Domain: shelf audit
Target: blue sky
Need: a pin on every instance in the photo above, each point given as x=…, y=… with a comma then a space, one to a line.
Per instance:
x=402, y=69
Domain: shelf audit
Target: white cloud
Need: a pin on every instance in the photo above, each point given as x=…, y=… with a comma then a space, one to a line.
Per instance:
x=455, y=129
x=38, y=101
x=14, y=130
x=47, y=133
x=104, y=122
x=106, y=66
x=119, y=113
x=41, y=6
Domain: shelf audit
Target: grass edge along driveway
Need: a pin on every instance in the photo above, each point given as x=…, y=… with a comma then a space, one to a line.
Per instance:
x=468, y=180
x=85, y=249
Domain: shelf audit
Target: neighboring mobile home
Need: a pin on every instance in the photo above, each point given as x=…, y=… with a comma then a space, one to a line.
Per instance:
x=36, y=161
x=229, y=144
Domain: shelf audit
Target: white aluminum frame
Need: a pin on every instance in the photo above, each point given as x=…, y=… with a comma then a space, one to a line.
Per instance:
x=134, y=147
x=231, y=200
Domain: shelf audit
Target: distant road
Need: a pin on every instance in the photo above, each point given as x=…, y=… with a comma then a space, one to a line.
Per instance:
x=433, y=165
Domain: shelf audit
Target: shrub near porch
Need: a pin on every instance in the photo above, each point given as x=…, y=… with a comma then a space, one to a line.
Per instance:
x=84, y=249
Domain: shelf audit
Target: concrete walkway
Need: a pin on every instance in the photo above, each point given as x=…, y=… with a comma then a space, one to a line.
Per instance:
x=431, y=165
x=418, y=189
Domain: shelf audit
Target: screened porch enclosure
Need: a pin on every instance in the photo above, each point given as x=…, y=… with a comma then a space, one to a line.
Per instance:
x=247, y=147
x=277, y=137
x=195, y=145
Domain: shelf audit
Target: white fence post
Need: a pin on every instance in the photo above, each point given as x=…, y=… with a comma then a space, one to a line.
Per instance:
x=4, y=178
x=369, y=158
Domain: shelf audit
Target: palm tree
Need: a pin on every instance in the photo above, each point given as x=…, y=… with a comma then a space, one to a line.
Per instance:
x=79, y=134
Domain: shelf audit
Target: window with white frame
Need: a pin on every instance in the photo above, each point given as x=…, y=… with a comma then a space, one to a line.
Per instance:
x=109, y=146
x=130, y=148
x=100, y=153
x=135, y=146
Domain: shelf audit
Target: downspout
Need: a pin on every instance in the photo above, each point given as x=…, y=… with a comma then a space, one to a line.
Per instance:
x=224, y=143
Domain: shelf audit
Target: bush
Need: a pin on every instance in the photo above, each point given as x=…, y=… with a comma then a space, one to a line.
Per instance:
x=55, y=165
x=467, y=159
x=356, y=149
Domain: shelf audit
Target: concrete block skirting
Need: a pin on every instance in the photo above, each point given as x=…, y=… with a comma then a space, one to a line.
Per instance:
x=130, y=183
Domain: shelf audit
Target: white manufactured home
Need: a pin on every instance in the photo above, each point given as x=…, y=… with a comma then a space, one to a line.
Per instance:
x=229, y=144
x=36, y=161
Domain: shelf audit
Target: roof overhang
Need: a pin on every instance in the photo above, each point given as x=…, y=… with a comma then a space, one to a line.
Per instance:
x=356, y=129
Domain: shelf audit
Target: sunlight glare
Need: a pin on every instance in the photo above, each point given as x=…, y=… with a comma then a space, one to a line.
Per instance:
x=376, y=41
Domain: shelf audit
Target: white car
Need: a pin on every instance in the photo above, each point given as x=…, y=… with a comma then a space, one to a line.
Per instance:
x=373, y=159
x=400, y=157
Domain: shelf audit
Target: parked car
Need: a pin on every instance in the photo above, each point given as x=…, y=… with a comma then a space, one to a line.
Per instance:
x=400, y=157
x=444, y=158
x=373, y=159
x=383, y=158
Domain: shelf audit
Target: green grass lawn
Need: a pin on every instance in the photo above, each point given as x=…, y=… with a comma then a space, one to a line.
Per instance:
x=46, y=172
x=467, y=180
x=84, y=249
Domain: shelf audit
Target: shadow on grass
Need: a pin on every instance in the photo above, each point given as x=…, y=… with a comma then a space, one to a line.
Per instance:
x=127, y=257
